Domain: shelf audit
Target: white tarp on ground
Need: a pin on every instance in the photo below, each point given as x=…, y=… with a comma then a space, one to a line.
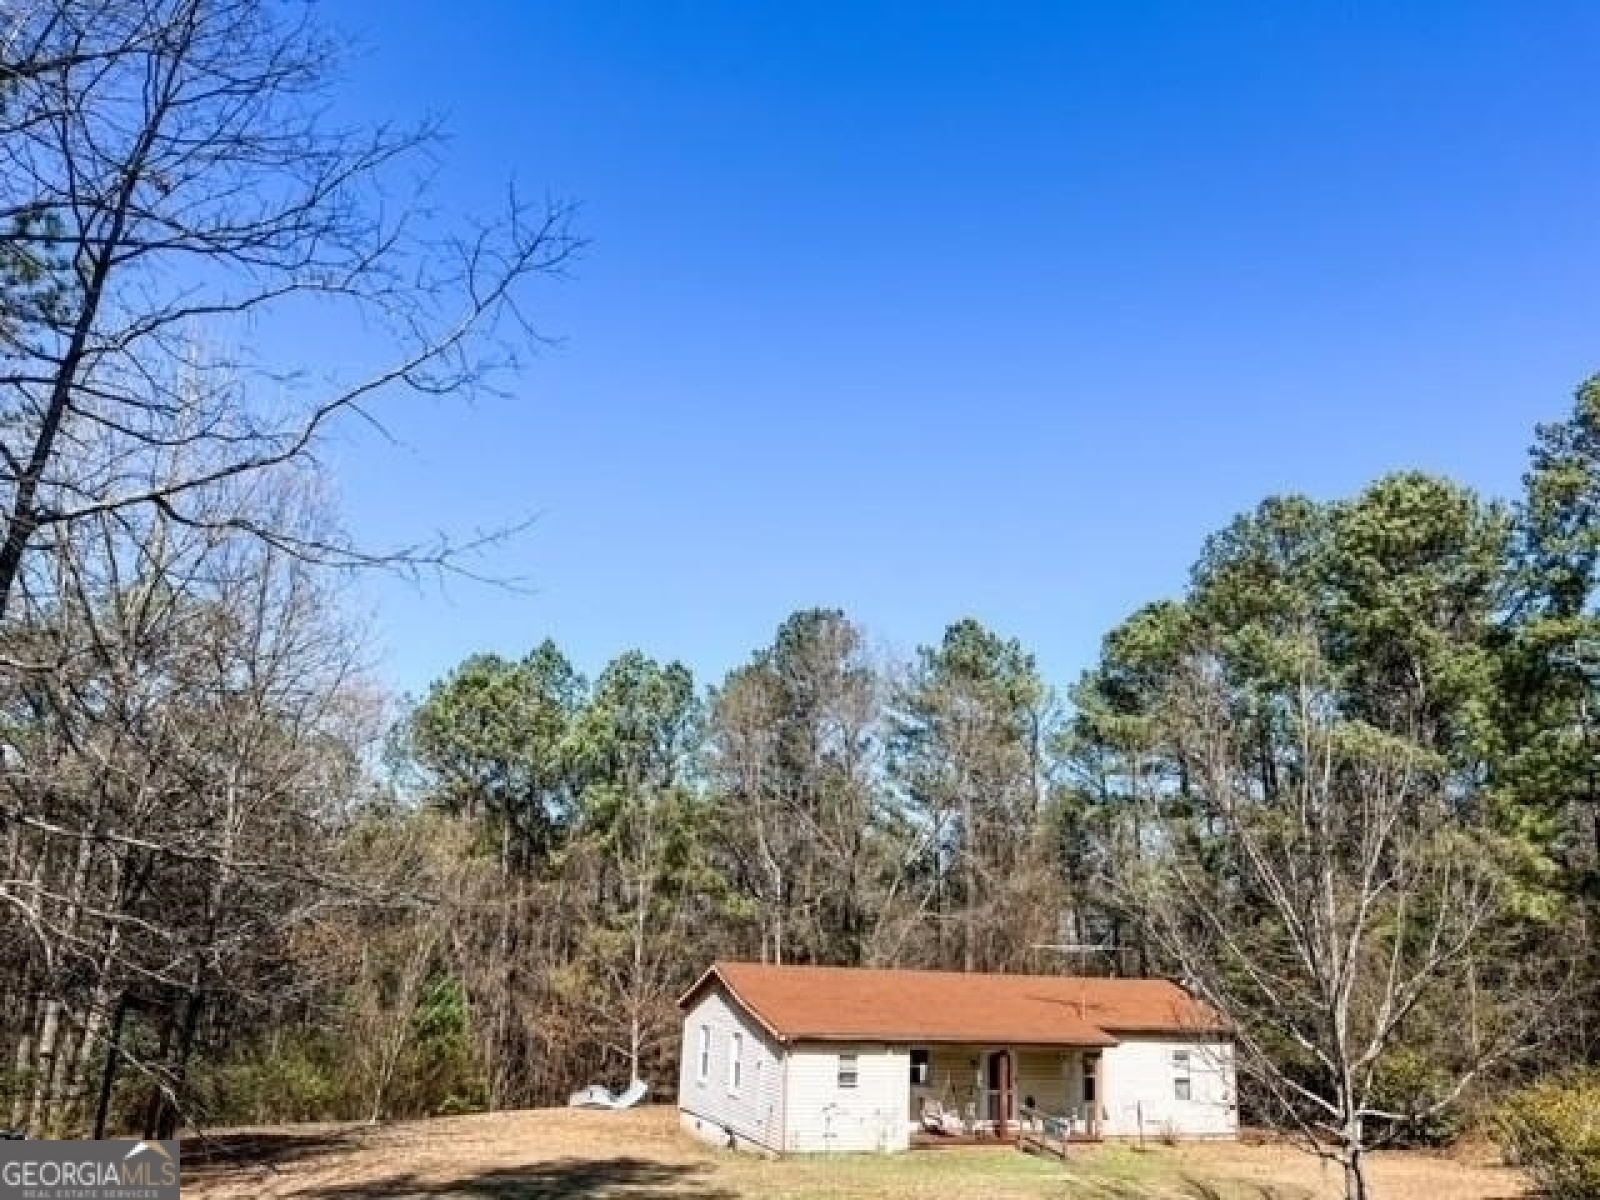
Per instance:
x=597, y=1095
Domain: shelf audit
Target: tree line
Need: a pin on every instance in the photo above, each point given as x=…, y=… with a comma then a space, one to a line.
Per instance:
x=1343, y=785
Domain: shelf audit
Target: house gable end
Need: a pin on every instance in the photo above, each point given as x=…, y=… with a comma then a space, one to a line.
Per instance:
x=711, y=977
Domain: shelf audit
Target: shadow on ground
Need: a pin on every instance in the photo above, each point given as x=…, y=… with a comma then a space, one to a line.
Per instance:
x=577, y=1178
x=1203, y=1190
x=212, y=1153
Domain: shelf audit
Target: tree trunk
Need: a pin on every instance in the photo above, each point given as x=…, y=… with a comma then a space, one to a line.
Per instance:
x=969, y=883
x=157, y=1101
x=1355, y=1175
x=50, y=1030
x=776, y=923
x=167, y=1120
x=23, y=518
x=24, y=1061
x=1355, y=1151
x=44, y=1062
x=108, y=1074
x=59, y=1113
x=641, y=931
x=101, y=1007
x=503, y=953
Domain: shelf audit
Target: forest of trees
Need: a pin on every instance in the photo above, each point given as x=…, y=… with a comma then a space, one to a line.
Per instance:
x=1345, y=785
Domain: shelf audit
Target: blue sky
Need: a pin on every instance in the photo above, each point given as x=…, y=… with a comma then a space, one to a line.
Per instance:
x=930, y=310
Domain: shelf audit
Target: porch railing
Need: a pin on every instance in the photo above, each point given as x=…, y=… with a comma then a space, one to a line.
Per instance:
x=1041, y=1132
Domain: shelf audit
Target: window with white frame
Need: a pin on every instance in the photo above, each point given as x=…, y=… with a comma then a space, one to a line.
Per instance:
x=1181, y=1078
x=704, y=1057
x=849, y=1072
x=735, y=1061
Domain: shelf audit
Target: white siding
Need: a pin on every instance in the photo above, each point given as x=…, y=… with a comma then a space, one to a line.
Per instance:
x=709, y=1107
x=1042, y=1074
x=1137, y=1078
x=822, y=1116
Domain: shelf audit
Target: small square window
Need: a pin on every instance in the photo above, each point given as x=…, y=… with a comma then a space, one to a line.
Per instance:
x=848, y=1071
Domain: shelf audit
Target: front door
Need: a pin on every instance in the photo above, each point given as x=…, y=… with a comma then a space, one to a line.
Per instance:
x=999, y=1088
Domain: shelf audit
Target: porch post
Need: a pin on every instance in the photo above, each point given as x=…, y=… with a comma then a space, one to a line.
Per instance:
x=1102, y=1103
x=1009, y=1115
x=1069, y=1086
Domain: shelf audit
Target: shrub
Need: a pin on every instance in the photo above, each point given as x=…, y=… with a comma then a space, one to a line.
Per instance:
x=299, y=1077
x=1552, y=1131
x=1411, y=1080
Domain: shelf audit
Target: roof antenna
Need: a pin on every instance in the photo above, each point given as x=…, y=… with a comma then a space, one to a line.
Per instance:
x=1070, y=948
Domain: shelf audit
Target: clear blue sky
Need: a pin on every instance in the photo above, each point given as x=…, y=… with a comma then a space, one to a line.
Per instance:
x=931, y=310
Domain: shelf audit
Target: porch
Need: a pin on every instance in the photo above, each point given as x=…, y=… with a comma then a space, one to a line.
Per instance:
x=971, y=1095
x=921, y=1139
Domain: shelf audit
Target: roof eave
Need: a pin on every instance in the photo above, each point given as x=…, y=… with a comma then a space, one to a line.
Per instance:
x=924, y=1039
x=695, y=987
x=713, y=972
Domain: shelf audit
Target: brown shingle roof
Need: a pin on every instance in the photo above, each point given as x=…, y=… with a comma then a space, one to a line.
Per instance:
x=848, y=1003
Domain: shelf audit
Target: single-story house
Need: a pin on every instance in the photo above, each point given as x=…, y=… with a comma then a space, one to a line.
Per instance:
x=796, y=1059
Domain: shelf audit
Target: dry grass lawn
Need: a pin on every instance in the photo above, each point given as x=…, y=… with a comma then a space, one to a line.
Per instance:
x=641, y=1155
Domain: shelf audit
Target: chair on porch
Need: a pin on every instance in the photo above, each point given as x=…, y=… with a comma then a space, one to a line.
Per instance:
x=936, y=1118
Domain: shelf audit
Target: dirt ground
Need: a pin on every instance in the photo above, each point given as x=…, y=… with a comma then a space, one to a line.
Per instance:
x=641, y=1155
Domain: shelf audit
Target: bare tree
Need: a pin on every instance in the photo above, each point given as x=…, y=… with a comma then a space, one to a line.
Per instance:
x=635, y=955
x=400, y=944
x=180, y=740
x=180, y=705
x=743, y=749
x=168, y=169
x=1331, y=917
